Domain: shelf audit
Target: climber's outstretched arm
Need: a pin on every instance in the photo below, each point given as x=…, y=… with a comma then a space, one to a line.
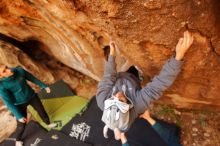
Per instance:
x=105, y=86
x=167, y=75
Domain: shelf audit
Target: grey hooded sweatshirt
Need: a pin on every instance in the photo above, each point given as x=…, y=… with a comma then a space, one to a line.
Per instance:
x=140, y=98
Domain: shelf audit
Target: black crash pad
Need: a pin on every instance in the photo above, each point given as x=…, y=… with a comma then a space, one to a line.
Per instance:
x=88, y=127
x=58, y=89
x=56, y=138
x=33, y=133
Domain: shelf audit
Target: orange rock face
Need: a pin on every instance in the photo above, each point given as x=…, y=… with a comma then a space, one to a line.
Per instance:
x=77, y=33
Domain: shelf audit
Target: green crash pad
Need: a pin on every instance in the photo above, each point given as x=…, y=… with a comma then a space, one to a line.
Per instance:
x=61, y=110
x=61, y=104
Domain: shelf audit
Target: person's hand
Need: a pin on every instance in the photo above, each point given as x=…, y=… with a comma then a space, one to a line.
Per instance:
x=112, y=48
x=48, y=89
x=183, y=45
x=117, y=134
x=23, y=120
x=123, y=138
x=146, y=116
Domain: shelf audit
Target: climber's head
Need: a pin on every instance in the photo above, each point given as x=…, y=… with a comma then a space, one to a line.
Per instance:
x=5, y=71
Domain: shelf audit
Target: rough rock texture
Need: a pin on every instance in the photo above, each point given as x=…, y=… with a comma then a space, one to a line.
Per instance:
x=77, y=33
x=12, y=56
x=8, y=123
x=46, y=68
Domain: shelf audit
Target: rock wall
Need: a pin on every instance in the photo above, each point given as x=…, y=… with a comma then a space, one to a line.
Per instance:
x=76, y=33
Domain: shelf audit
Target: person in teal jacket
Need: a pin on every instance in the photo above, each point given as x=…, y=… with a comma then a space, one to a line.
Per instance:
x=17, y=95
x=165, y=134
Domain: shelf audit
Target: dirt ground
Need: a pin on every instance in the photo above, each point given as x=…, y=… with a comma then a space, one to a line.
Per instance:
x=198, y=127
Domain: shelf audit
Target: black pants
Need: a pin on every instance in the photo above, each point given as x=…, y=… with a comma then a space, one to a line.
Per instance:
x=37, y=105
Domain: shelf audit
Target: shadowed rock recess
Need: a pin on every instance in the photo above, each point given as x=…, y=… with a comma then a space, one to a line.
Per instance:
x=76, y=34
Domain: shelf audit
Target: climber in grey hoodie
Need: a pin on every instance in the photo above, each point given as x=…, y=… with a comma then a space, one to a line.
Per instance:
x=120, y=96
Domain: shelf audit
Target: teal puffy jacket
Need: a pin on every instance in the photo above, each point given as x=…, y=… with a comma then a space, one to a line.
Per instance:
x=14, y=90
